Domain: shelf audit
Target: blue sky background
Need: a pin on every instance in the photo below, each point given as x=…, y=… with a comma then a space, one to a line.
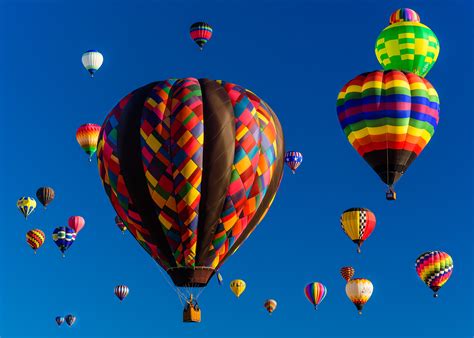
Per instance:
x=296, y=55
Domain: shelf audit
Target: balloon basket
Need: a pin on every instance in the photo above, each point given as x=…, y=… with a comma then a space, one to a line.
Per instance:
x=191, y=314
x=391, y=196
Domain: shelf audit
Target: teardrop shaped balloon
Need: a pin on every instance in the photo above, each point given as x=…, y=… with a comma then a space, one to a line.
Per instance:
x=76, y=223
x=191, y=166
x=201, y=33
x=63, y=237
x=359, y=291
x=358, y=224
x=270, y=305
x=347, y=272
x=35, y=238
x=70, y=320
x=120, y=224
x=238, y=287
x=92, y=60
x=293, y=159
x=59, y=320
x=26, y=205
x=406, y=44
x=315, y=292
x=388, y=117
x=87, y=136
x=45, y=195
x=434, y=268
x=121, y=291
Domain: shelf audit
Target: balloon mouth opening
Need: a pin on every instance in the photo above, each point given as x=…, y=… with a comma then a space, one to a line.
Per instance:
x=191, y=277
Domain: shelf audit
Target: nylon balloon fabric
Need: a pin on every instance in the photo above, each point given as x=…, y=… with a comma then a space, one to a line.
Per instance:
x=359, y=291
x=407, y=45
x=347, y=272
x=45, y=195
x=63, y=237
x=358, y=224
x=388, y=117
x=35, y=238
x=26, y=205
x=87, y=136
x=434, y=268
x=315, y=292
x=201, y=33
x=121, y=291
x=191, y=167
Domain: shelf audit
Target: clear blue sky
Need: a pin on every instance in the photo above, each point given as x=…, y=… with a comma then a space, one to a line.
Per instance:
x=296, y=55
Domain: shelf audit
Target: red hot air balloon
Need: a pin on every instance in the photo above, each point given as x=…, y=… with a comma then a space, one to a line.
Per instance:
x=121, y=291
x=76, y=223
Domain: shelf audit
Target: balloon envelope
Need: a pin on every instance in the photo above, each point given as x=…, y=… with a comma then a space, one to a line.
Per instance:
x=358, y=224
x=76, y=223
x=359, y=291
x=293, y=159
x=35, y=238
x=270, y=305
x=121, y=291
x=315, y=293
x=70, y=320
x=434, y=268
x=59, y=320
x=63, y=237
x=26, y=205
x=238, y=287
x=45, y=195
x=347, y=272
x=92, y=60
x=87, y=136
x=201, y=33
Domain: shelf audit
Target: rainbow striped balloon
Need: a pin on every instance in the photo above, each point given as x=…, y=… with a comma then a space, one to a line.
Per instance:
x=406, y=44
x=201, y=33
x=315, y=292
x=388, y=117
x=434, y=268
x=35, y=238
x=87, y=136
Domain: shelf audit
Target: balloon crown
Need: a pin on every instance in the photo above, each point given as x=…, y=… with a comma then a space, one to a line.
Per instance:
x=404, y=15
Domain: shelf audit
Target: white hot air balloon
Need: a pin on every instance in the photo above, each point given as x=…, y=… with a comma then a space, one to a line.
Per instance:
x=92, y=61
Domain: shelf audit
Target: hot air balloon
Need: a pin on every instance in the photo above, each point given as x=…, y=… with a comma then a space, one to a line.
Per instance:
x=70, y=320
x=120, y=224
x=238, y=287
x=63, y=237
x=121, y=291
x=358, y=224
x=406, y=44
x=59, y=320
x=434, y=268
x=219, y=278
x=191, y=167
x=359, y=291
x=270, y=305
x=45, y=195
x=315, y=292
x=26, y=205
x=87, y=136
x=347, y=272
x=35, y=238
x=76, y=223
x=388, y=117
x=293, y=159
x=92, y=60
x=201, y=33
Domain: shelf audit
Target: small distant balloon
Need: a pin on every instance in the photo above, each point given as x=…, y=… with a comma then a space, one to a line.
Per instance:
x=201, y=33
x=26, y=205
x=70, y=320
x=434, y=268
x=270, y=305
x=293, y=159
x=359, y=291
x=315, y=292
x=121, y=291
x=76, y=223
x=120, y=224
x=35, y=238
x=63, y=237
x=45, y=195
x=59, y=320
x=87, y=136
x=92, y=60
x=347, y=272
x=358, y=224
x=238, y=287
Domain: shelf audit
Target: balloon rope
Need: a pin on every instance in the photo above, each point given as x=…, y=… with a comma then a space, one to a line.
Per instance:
x=181, y=295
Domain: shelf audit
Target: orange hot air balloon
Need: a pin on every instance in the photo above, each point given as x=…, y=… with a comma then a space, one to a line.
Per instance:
x=87, y=136
x=347, y=272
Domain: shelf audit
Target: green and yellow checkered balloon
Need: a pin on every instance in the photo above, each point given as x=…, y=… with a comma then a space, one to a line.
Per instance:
x=406, y=44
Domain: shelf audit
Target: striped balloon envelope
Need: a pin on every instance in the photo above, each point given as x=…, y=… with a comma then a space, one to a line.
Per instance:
x=293, y=159
x=87, y=136
x=358, y=224
x=434, y=268
x=347, y=272
x=92, y=60
x=121, y=291
x=63, y=237
x=35, y=238
x=270, y=305
x=45, y=195
x=201, y=33
x=388, y=117
x=315, y=292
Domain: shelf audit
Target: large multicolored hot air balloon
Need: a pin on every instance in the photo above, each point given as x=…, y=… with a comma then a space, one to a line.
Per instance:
x=270, y=305
x=92, y=60
x=121, y=291
x=35, y=238
x=119, y=223
x=406, y=44
x=347, y=272
x=76, y=223
x=26, y=205
x=315, y=292
x=201, y=33
x=359, y=291
x=293, y=159
x=59, y=320
x=87, y=136
x=70, y=320
x=238, y=287
x=358, y=224
x=191, y=167
x=388, y=117
x=434, y=268
x=45, y=195
x=63, y=237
